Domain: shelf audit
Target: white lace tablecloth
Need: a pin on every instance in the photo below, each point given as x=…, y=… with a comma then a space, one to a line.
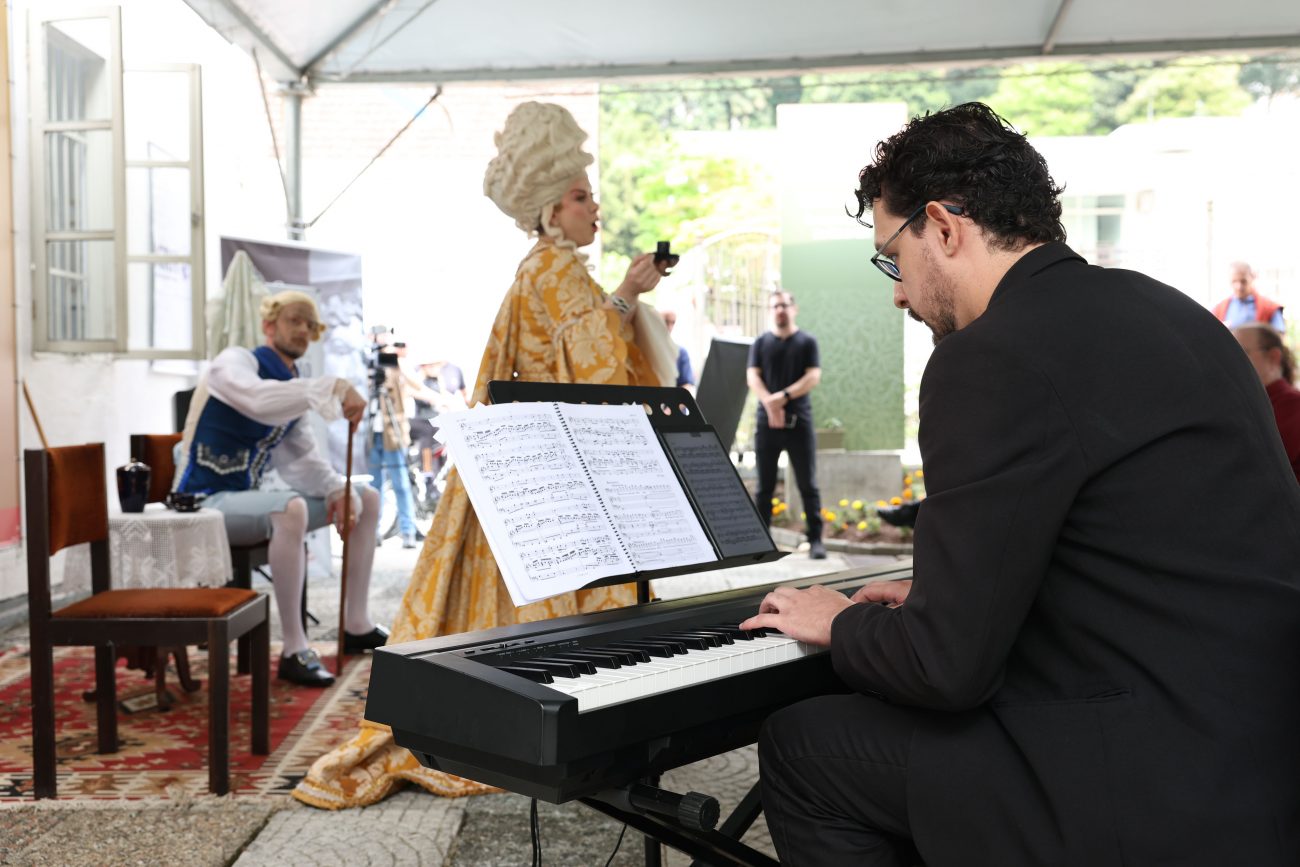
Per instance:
x=158, y=548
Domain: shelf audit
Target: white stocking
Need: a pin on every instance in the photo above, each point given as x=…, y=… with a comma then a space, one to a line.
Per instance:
x=361, y=557
x=288, y=566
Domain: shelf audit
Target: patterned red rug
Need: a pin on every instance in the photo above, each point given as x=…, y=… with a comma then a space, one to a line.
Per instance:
x=163, y=754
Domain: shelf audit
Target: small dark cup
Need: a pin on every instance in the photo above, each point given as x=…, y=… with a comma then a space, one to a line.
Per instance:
x=182, y=502
x=133, y=486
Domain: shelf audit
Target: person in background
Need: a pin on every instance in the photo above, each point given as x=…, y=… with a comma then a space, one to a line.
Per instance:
x=555, y=324
x=1245, y=304
x=247, y=416
x=445, y=383
x=448, y=380
x=1274, y=364
x=784, y=366
x=390, y=439
x=685, y=376
x=1094, y=661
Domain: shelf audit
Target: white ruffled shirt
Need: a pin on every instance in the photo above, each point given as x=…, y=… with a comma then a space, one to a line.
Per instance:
x=233, y=380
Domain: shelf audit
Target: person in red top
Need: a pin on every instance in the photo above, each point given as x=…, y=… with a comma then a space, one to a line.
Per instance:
x=1245, y=304
x=1275, y=366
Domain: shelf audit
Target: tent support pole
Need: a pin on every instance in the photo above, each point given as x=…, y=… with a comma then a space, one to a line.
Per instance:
x=293, y=162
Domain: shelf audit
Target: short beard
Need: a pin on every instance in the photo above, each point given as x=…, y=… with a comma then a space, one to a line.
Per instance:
x=942, y=320
x=287, y=351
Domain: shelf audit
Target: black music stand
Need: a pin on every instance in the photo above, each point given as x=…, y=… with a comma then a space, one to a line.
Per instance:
x=675, y=417
x=643, y=806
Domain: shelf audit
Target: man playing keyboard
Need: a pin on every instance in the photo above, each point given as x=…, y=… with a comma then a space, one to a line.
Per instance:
x=1096, y=662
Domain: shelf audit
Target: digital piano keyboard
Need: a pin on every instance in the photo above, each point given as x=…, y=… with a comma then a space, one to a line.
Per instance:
x=562, y=709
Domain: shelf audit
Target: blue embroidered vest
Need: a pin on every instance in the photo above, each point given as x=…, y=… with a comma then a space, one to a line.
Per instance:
x=230, y=451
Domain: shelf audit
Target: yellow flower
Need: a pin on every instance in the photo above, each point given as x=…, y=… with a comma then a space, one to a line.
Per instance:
x=803, y=516
x=907, y=493
x=779, y=508
x=907, y=479
x=862, y=525
x=920, y=474
x=857, y=504
x=844, y=504
x=776, y=501
x=895, y=501
x=880, y=504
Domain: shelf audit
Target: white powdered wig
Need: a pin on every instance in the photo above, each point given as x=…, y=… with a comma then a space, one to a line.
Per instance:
x=539, y=154
x=273, y=305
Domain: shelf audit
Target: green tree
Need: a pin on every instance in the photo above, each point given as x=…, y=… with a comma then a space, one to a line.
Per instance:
x=1048, y=99
x=1269, y=78
x=651, y=191
x=1186, y=91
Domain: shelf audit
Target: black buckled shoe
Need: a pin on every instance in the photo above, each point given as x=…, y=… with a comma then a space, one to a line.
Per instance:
x=376, y=637
x=304, y=668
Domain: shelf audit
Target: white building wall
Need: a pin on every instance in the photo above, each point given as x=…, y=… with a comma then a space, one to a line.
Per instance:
x=97, y=397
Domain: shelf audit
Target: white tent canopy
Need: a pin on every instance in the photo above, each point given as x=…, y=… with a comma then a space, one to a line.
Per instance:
x=497, y=40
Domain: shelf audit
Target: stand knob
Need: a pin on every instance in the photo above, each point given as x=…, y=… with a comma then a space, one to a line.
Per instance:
x=698, y=811
x=692, y=810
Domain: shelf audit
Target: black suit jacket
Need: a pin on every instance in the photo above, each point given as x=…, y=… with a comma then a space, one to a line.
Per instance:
x=1104, y=630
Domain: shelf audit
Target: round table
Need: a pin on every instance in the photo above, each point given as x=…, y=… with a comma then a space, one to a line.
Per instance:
x=158, y=548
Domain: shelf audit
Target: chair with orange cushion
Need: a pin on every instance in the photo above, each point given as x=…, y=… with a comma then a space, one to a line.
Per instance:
x=67, y=504
x=156, y=450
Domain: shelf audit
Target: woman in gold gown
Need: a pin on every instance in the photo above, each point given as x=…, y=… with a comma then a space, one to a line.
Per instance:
x=555, y=325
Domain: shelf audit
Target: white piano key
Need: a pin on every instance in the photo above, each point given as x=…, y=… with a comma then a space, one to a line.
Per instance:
x=611, y=686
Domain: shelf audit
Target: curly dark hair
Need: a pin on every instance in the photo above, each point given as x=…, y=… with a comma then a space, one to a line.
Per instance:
x=969, y=156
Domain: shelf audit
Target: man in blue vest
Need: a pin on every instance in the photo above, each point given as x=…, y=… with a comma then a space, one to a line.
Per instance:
x=248, y=416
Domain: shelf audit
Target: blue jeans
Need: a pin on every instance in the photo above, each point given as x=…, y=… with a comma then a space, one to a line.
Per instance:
x=392, y=463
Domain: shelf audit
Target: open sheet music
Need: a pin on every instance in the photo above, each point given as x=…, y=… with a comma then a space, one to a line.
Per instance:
x=568, y=494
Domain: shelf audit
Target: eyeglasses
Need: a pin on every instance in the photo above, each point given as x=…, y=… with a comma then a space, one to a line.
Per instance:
x=885, y=263
x=295, y=320
x=781, y=306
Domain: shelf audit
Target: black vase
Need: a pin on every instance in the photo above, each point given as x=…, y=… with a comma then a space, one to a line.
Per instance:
x=133, y=486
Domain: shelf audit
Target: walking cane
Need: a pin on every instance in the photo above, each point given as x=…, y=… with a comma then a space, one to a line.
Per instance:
x=347, y=534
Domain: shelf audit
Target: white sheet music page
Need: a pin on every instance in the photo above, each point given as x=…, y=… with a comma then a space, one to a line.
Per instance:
x=534, y=500
x=568, y=494
x=645, y=500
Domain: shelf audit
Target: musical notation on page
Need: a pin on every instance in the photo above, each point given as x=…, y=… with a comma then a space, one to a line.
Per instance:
x=719, y=494
x=631, y=472
x=535, y=502
x=571, y=494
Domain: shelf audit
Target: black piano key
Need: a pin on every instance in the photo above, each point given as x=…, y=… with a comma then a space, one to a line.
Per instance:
x=717, y=638
x=600, y=660
x=660, y=649
x=540, y=675
x=736, y=633
x=581, y=666
x=625, y=655
x=694, y=642
x=676, y=645
x=727, y=637
x=559, y=669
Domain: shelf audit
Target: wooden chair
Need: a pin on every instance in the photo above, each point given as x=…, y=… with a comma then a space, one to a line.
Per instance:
x=156, y=450
x=67, y=504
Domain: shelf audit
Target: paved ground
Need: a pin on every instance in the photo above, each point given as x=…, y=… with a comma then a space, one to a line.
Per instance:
x=410, y=828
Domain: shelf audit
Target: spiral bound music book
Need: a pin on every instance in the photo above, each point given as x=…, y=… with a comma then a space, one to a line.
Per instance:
x=576, y=495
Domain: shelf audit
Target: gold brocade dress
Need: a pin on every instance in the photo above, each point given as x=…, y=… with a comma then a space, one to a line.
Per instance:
x=552, y=327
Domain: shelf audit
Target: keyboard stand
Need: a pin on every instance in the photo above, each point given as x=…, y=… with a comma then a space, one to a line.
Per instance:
x=707, y=848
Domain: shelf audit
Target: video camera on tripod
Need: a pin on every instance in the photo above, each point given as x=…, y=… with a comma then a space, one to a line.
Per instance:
x=381, y=355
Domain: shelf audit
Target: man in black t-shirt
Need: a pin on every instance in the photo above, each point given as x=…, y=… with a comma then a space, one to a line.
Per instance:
x=784, y=367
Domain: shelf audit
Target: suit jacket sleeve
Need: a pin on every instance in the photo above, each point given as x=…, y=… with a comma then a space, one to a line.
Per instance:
x=1002, y=470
